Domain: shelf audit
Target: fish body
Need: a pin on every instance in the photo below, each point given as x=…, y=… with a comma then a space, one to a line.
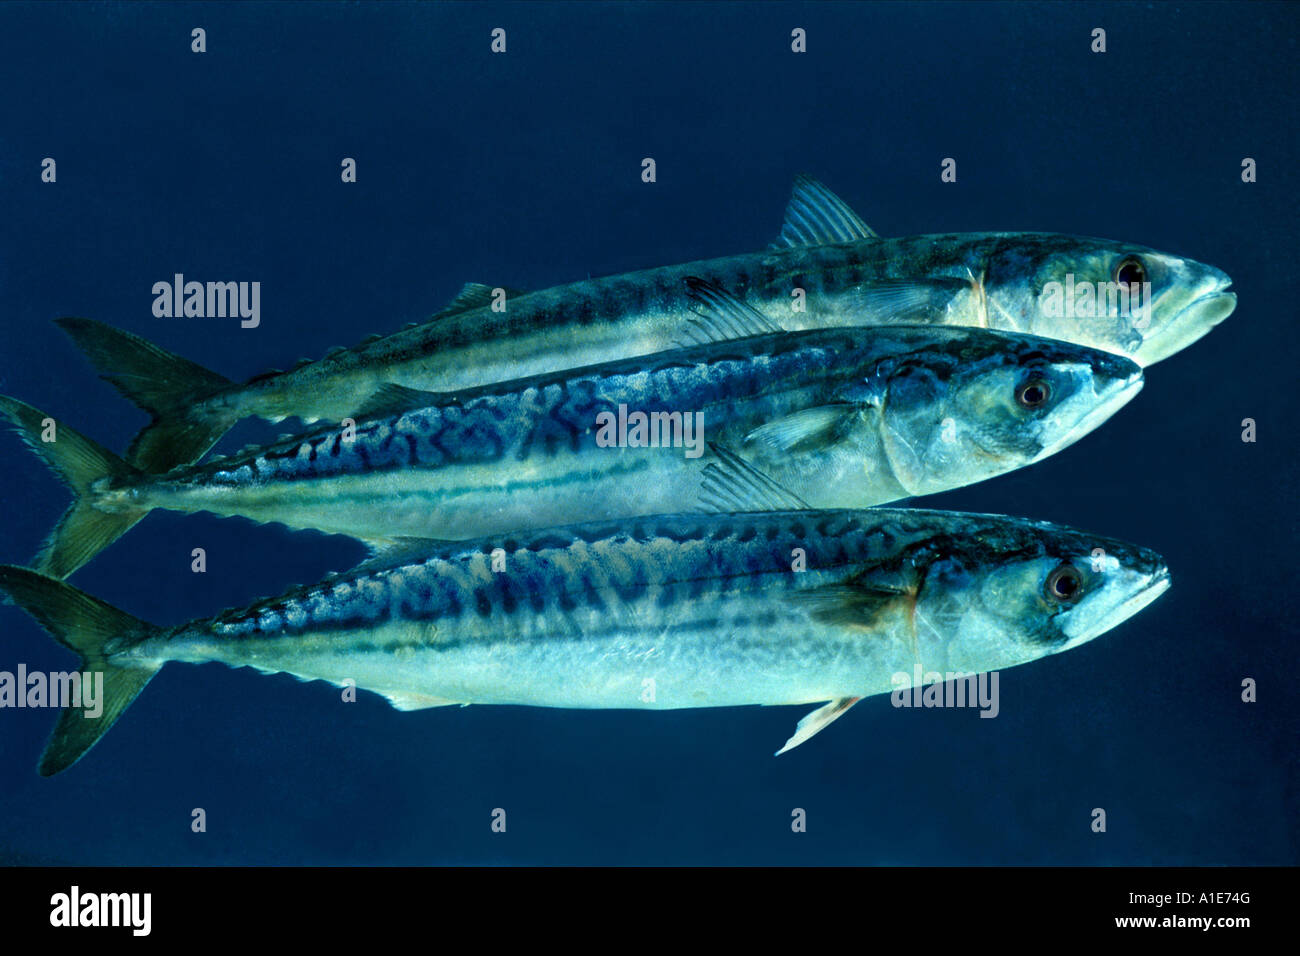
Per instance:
x=828, y=418
x=659, y=612
x=638, y=313
x=982, y=280
x=828, y=270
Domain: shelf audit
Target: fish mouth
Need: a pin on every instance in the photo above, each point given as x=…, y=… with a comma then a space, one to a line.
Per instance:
x=1109, y=618
x=1158, y=585
x=1207, y=311
x=1092, y=419
x=1191, y=323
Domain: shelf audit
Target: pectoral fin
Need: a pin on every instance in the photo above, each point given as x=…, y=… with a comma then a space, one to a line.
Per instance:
x=810, y=429
x=817, y=721
x=857, y=603
x=900, y=301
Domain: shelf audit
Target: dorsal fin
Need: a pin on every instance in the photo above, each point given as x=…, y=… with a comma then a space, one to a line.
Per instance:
x=815, y=216
x=719, y=316
x=732, y=484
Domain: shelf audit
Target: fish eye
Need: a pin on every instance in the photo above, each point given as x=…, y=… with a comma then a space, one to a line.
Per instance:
x=1130, y=272
x=1034, y=393
x=1064, y=585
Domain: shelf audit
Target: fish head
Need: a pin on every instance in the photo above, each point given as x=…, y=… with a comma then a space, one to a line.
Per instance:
x=1009, y=591
x=1120, y=297
x=989, y=402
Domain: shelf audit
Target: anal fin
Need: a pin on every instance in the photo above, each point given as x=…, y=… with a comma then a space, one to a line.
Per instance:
x=397, y=399
x=403, y=701
x=388, y=553
x=818, y=720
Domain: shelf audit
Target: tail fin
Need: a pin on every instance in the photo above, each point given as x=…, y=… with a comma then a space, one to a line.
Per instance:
x=85, y=529
x=96, y=632
x=166, y=386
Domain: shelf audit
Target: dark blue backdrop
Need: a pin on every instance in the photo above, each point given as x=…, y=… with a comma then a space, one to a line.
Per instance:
x=523, y=170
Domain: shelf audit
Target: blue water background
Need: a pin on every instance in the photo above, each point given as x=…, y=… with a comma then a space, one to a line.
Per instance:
x=523, y=170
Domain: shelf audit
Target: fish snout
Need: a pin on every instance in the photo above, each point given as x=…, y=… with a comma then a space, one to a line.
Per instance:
x=1207, y=303
x=1124, y=592
x=1115, y=382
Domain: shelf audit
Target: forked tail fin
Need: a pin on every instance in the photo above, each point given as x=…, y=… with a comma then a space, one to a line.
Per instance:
x=168, y=387
x=96, y=632
x=85, y=528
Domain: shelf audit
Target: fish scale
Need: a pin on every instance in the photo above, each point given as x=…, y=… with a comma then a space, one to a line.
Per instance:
x=685, y=560
x=486, y=426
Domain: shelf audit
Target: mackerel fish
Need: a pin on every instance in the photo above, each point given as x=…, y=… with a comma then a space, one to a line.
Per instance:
x=654, y=613
x=830, y=418
x=827, y=269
